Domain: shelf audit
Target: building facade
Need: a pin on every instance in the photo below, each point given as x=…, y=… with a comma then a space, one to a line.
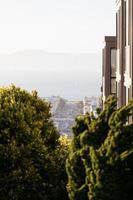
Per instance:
x=122, y=67
x=109, y=68
x=124, y=34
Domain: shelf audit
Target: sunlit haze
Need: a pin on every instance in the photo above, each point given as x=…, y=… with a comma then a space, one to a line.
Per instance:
x=42, y=27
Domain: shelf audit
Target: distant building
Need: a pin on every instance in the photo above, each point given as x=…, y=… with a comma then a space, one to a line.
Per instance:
x=86, y=105
x=90, y=104
x=109, y=68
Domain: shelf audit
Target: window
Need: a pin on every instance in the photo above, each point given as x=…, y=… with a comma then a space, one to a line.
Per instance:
x=113, y=72
x=113, y=86
x=113, y=62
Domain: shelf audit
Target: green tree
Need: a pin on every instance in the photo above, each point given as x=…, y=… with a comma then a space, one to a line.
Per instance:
x=104, y=147
x=29, y=143
x=60, y=156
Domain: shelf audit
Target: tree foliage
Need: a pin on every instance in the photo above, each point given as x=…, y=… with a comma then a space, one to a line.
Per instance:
x=100, y=163
x=30, y=166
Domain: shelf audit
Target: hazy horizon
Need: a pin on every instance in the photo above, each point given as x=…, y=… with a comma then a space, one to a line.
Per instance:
x=62, y=41
x=52, y=74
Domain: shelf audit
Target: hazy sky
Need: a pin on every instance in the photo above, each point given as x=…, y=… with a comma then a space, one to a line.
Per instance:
x=71, y=26
x=55, y=25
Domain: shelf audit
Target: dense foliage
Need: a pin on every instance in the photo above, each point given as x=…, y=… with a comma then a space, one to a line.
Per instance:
x=32, y=157
x=100, y=163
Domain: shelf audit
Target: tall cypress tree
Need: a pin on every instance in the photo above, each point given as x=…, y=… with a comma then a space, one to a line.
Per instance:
x=105, y=148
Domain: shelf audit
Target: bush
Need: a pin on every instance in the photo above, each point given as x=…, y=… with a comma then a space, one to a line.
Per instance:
x=100, y=164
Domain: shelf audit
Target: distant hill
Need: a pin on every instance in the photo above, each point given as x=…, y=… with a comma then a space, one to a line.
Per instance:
x=64, y=113
x=69, y=75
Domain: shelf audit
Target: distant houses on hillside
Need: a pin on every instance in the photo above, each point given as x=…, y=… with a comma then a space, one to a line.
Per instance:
x=65, y=111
